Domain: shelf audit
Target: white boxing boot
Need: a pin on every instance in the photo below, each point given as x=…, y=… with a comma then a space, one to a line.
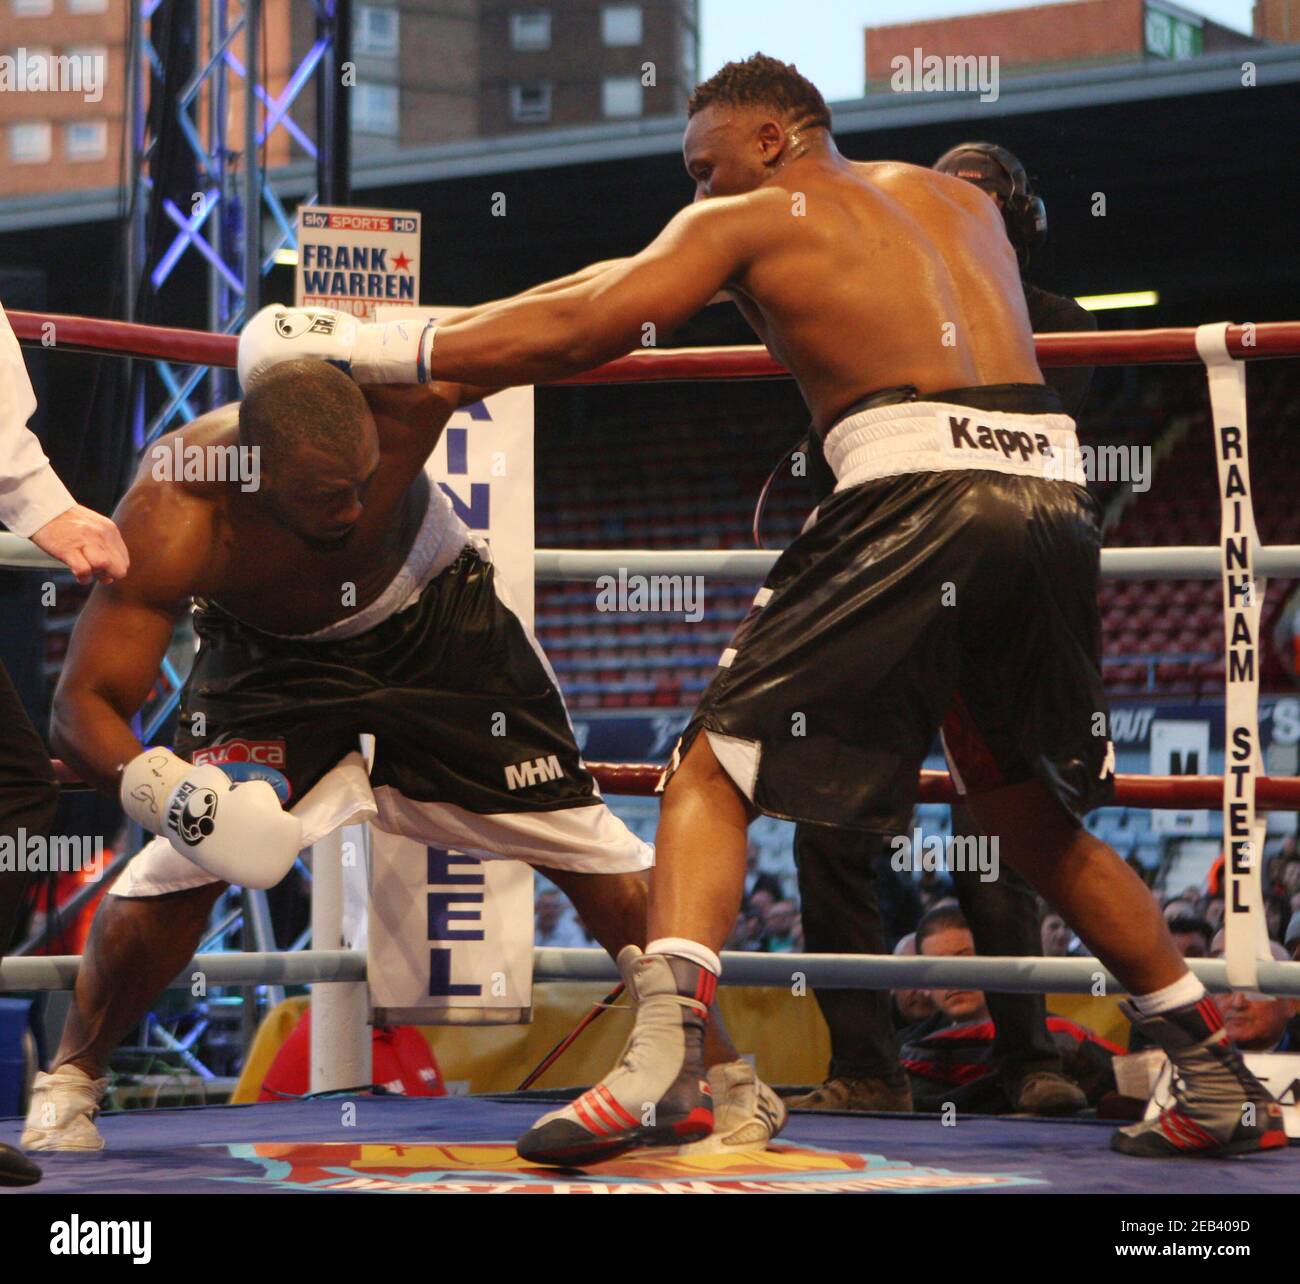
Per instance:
x=747, y=1114
x=62, y=1114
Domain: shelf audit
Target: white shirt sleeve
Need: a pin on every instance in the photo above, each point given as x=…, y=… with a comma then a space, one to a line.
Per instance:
x=31, y=493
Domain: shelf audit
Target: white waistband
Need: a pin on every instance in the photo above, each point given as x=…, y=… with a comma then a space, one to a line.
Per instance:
x=436, y=545
x=932, y=436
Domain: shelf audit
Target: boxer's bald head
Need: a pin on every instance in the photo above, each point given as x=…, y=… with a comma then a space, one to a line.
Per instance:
x=317, y=445
x=746, y=120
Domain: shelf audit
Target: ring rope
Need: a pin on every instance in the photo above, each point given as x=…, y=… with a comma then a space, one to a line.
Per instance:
x=1096, y=348
x=640, y=779
x=1011, y=975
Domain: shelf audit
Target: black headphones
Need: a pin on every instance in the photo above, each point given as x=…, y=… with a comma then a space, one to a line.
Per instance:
x=1024, y=214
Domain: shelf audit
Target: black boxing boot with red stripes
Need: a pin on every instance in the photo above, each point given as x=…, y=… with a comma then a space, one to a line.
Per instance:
x=1219, y=1107
x=658, y=1093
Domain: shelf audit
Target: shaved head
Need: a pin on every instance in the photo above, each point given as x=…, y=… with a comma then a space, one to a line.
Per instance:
x=318, y=447
x=303, y=403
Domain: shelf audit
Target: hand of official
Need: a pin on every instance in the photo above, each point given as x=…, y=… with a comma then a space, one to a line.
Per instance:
x=87, y=543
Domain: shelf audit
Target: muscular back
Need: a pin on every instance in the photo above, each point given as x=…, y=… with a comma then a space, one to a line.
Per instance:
x=892, y=274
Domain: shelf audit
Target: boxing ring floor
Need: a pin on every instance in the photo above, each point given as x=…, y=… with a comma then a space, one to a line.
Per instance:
x=399, y=1145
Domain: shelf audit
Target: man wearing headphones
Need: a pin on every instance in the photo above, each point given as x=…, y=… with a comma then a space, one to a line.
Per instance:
x=837, y=868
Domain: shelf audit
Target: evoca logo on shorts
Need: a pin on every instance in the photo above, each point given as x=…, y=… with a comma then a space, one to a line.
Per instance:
x=533, y=771
x=77, y=1238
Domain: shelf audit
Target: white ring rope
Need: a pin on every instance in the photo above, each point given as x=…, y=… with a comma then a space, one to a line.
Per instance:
x=1027, y=975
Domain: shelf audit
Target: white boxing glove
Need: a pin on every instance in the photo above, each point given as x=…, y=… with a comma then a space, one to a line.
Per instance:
x=238, y=833
x=394, y=352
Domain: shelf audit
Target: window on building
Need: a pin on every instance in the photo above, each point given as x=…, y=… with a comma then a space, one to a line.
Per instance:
x=375, y=30
x=375, y=109
x=86, y=140
x=620, y=24
x=530, y=102
x=621, y=96
x=87, y=6
x=93, y=61
x=29, y=142
x=31, y=8
x=531, y=30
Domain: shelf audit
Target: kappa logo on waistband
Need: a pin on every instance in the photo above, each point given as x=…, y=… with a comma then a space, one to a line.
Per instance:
x=1002, y=440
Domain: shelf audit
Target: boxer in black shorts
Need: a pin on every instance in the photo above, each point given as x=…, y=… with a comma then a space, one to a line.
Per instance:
x=860, y=278
x=848, y=635
x=341, y=596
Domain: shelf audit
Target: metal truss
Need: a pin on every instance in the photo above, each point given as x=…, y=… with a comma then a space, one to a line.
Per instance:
x=233, y=202
x=224, y=225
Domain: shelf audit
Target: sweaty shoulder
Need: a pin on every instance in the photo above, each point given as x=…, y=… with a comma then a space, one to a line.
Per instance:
x=169, y=518
x=911, y=183
x=746, y=222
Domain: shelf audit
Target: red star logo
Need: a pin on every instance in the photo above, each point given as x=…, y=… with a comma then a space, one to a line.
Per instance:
x=401, y=263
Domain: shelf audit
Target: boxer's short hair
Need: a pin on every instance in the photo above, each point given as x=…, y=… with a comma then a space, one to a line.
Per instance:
x=299, y=403
x=760, y=81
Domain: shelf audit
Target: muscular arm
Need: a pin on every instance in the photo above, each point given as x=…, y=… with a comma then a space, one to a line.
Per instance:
x=537, y=337
x=124, y=630
x=416, y=414
x=580, y=277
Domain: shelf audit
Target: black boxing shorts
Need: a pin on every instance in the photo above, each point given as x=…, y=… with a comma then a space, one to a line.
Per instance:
x=473, y=746
x=949, y=583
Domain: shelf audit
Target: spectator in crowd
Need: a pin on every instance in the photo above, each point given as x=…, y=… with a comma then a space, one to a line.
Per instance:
x=1291, y=874
x=910, y=1006
x=949, y=1057
x=782, y=933
x=1057, y=934
x=1277, y=913
x=1259, y=1022
x=943, y=932
x=1192, y=935
x=1291, y=940
x=748, y=932
x=1213, y=912
x=763, y=897
x=1179, y=907
x=557, y=925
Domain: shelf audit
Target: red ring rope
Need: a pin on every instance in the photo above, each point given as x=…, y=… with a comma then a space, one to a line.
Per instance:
x=1115, y=347
x=1104, y=348
x=1272, y=793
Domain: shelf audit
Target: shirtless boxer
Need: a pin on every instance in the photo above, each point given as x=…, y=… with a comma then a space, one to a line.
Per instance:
x=342, y=595
x=950, y=580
